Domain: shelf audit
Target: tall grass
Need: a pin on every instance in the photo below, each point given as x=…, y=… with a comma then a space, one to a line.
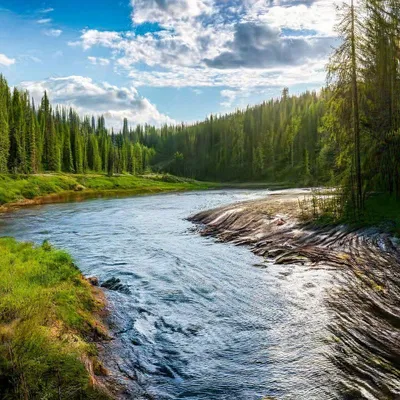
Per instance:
x=47, y=323
x=334, y=207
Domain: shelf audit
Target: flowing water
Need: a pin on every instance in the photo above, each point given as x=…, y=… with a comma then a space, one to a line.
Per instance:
x=203, y=320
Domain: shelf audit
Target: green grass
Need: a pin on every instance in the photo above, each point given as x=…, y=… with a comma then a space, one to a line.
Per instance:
x=381, y=211
x=19, y=188
x=47, y=317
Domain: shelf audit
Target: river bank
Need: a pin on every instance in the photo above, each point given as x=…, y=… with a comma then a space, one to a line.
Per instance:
x=52, y=322
x=25, y=190
x=195, y=319
x=183, y=293
x=365, y=329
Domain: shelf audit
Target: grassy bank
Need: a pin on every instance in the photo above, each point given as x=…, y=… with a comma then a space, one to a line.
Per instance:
x=381, y=211
x=37, y=189
x=48, y=325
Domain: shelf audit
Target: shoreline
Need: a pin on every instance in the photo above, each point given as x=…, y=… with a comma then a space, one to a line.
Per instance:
x=29, y=190
x=72, y=196
x=364, y=298
x=53, y=323
x=365, y=306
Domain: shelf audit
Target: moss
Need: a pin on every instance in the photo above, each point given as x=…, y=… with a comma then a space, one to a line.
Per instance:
x=47, y=315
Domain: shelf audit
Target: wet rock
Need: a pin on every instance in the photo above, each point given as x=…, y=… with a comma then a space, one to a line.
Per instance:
x=116, y=285
x=93, y=280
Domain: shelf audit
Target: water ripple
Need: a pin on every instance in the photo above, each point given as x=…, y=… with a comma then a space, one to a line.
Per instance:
x=204, y=320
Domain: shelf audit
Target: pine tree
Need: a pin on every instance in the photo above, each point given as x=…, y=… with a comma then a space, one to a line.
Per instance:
x=343, y=73
x=4, y=140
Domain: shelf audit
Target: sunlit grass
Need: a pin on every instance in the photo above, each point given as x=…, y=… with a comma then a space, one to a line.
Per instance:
x=16, y=188
x=46, y=319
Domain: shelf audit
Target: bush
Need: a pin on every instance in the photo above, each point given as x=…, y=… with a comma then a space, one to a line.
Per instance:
x=31, y=191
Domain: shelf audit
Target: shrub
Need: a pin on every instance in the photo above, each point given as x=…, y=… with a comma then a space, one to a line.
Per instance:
x=30, y=191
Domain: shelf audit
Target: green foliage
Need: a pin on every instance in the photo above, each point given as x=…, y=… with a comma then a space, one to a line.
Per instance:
x=57, y=140
x=46, y=312
x=269, y=142
x=16, y=188
x=348, y=134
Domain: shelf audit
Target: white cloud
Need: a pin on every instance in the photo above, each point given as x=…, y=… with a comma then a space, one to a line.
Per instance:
x=194, y=31
x=236, y=44
x=53, y=32
x=91, y=98
x=46, y=10
x=92, y=37
x=229, y=96
x=44, y=21
x=311, y=72
x=168, y=11
x=320, y=16
x=99, y=61
x=6, y=61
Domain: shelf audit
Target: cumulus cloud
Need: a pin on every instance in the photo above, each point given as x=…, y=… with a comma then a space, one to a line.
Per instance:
x=317, y=15
x=53, y=32
x=310, y=73
x=226, y=43
x=6, y=61
x=229, y=97
x=89, y=97
x=220, y=34
x=92, y=37
x=260, y=46
x=99, y=61
x=168, y=11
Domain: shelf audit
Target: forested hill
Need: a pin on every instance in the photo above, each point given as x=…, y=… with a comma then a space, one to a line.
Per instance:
x=44, y=138
x=278, y=140
x=348, y=133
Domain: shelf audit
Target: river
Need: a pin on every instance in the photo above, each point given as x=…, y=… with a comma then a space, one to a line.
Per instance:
x=203, y=320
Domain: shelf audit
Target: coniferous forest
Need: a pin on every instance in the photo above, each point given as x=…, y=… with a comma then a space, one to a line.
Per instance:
x=348, y=133
x=313, y=313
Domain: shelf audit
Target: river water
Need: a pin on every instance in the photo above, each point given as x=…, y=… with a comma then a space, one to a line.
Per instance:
x=203, y=320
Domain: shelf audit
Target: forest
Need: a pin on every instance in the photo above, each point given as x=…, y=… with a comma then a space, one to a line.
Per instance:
x=346, y=134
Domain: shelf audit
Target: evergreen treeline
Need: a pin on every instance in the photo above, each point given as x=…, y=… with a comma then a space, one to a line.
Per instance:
x=276, y=140
x=348, y=133
x=34, y=139
x=363, y=116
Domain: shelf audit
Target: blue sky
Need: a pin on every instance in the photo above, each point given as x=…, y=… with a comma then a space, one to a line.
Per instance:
x=164, y=61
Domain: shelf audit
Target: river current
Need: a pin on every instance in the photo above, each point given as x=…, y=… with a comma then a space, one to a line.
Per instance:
x=203, y=320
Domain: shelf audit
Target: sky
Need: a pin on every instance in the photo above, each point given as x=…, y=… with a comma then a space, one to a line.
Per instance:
x=164, y=61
